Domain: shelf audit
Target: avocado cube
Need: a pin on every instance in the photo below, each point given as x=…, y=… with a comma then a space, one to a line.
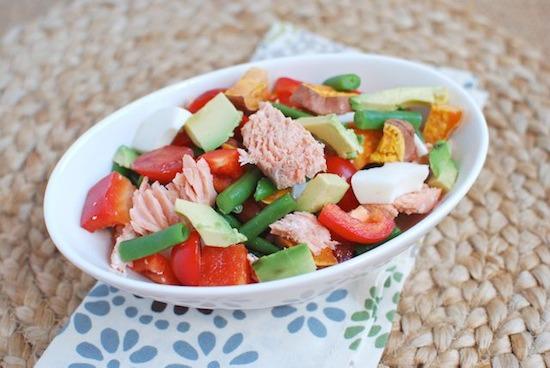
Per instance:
x=444, y=169
x=323, y=189
x=285, y=263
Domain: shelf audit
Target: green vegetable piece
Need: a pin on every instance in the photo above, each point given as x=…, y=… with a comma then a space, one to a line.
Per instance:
x=392, y=99
x=372, y=119
x=323, y=189
x=344, y=82
x=258, y=246
x=264, y=189
x=133, y=176
x=273, y=212
x=125, y=156
x=213, y=124
x=443, y=167
x=238, y=192
x=290, y=112
x=150, y=244
x=211, y=226
x=285, y=263
x=329, y=129
x=231, y=220
x=360, y=249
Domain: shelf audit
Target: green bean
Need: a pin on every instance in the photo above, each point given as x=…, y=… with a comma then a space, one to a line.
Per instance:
x=231, y=220
x=258, y=246
x=264, y=189
x=360, y=249
x=268, y=215
x=372, y=119
x=150, y=244
x=290, y=112
x=344, y=82
x=239, y=191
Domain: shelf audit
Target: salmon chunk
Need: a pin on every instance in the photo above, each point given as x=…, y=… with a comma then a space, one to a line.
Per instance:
x=419, y=202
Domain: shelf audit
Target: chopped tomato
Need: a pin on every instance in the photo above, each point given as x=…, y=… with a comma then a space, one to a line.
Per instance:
x=157, y=268
x=225, y=266
x=343, y=252
x=185, y=259
x=224, y=162
x=250, y=209
x=203, y=99
x=182, y=139
x=345, y=169
x=284, y=88
x=238, y=134
x=161, y=164
x=221, y=182
x=341, y=223
x=108, y=203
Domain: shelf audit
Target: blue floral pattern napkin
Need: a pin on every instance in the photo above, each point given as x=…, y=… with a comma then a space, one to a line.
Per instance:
x=347, y=327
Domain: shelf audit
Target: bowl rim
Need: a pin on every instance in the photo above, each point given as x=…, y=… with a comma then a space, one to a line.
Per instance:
x=374, y=256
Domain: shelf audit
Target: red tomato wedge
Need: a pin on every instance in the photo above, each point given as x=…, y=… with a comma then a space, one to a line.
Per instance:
x=284, y=88
x=108, y=203
x=225, y=266
x=353, y=230
x=203, y=99
x=182, y=139
x=224, y=162
x=157, y=268
x=162, y=164
x=344, y=168
x=186, y=260
x=221, y=182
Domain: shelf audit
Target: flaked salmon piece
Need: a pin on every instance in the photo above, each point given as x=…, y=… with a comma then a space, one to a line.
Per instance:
x=303, y=227
x=419, y=202
x=116, y=263
x=195, y=183
x=152, y=208
x=365, y=211
x=281, y=148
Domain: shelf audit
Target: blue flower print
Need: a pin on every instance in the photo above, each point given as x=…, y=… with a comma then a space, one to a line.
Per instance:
x=225, y=355
x=312, y=314
x=106, y=295
x=110, y=343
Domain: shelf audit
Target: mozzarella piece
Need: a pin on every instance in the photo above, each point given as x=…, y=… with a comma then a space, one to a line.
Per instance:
x=421, y=149
x=159, y=128
x=381, y=185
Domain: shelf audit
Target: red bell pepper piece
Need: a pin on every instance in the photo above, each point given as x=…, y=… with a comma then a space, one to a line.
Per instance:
x=284, y=88
x=341, y=223
x=162, y=164
x=344, y=168
x=225, y=266
x=156, y=268
x=186, y=260
x=203, y=99
x=224, y=162
x=108, y=203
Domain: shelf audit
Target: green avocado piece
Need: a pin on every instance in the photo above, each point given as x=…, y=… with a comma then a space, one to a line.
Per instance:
x=322, y=189
x=125, y=156
x=444, y=169
x=285, y=263
x=214, y=123
x=214, y=230
x=331, y=131
x=392, y=99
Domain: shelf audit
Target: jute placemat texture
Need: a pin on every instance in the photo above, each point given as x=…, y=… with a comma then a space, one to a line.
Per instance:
x=479, y=293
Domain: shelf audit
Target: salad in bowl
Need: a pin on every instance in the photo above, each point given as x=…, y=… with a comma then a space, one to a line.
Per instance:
x=265, y=174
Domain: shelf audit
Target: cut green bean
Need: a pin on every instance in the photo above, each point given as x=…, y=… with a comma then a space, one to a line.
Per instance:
x=344, y=82
x=276, y=210
x=360, y=249
x=231, y=220
x=150, y=244
x=239, y=191
x=258, y=246
x=372, y=119
x=290, y=112
x=264, y=189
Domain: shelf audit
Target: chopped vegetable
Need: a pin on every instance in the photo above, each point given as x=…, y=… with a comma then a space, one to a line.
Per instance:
x=325, y=258
x=203, y=99
x=392, y=99
x=290, y=112
x=371, y=139
x=372, y=119
x=125, y=156
x=185, y=259
x=224, y=162
x=444, y=169
x=276, y=195
x=284, y=88
x=225, y=266
x=264, y=189
x=161, y=164
x=321, y=99
x=344, y=82
x=249, y=90
x=156, y=268
x=268, y=215
x=257, y=245
x=397, y=143
x=360, y=249
x=131, y=175
x=343, y=168
x=108, y=203
x=239, y=191
x=288, y=262
x=441, y=122
x=147, y=245
x=322, y=189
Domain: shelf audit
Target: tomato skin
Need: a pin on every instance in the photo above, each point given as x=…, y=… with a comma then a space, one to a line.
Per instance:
x=224, y=162
x=238, y=134
x=284, y=88
x=250, y=209
x=221, y=182
x=345, y=169
x=185, y=259
x=156, y=268
x=203, y=99
x=162, y=164
x=225, y=266
x=182, y=139
x=343, y=252
x=107, y=203
x=353, y=230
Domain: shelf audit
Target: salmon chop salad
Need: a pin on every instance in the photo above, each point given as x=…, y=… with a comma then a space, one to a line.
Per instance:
x=248, y=183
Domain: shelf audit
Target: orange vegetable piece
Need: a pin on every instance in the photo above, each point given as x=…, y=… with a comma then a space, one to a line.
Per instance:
x=371, y=138
x=391, y=147
x=441, y=123
x=325, y=258
x=250, y=90
x=273, y=197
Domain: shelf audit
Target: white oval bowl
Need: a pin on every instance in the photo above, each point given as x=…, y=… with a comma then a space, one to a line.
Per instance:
x=89, y=159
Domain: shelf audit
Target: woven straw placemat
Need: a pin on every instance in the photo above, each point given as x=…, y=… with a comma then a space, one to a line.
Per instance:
x=479, y=293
